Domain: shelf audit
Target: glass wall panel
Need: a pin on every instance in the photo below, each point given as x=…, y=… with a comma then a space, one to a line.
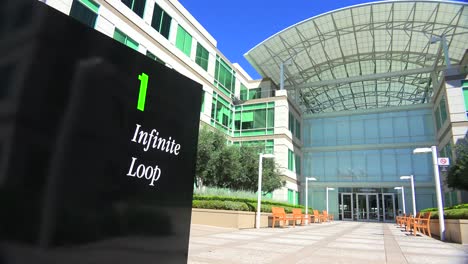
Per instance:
x=367, y=129
x=372, y=165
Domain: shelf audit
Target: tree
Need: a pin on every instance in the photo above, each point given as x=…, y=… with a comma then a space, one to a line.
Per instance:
x=231, y=166
x=457, y=177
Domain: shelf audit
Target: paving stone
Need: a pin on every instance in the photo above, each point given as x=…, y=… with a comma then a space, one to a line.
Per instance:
x=336, y=242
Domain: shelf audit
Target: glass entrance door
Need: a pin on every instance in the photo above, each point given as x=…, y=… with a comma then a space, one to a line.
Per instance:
x=373, y=205
x=346, y=206
x=361, y=206
x=367, y=206
x=388, y=203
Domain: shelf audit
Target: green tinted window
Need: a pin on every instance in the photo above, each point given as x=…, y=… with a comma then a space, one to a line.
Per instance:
x=437, y=117
x=221, y=114
x=254, y=120
x=465, y=95
x=202, y=57
x=291, y=162
x=161, y=21
x=443, y=110
x=124, y=39
x=85, y=11
x=150, y=55
x=138, y=6
x=224, y=77
x=290, y=196
x=298, y=164
x=243, y=92
x=184, y=41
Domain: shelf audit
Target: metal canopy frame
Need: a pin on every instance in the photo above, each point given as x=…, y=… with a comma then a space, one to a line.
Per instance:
x=366, y=56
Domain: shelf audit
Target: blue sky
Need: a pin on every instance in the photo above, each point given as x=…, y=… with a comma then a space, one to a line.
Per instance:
x=240, y=25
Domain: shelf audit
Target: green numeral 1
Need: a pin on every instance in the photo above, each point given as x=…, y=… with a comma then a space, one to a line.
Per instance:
x=142, y=95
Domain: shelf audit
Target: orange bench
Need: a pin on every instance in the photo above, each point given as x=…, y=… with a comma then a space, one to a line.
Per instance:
x=317, y=217
x=423, y=224
x=298, y=215
x=279, y=215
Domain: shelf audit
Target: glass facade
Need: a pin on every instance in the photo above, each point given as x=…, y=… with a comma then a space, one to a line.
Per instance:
x=268, y=145
x=441, y=113
x=221, y=114
x=369, y=129
x=254, y=119
x=85, y=11
x=161, y=21
x=379, y=146
x=225, y=77
x=249, y=94
x=294, y=126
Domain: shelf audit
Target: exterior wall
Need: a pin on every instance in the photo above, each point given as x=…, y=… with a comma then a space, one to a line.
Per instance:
x=455, y=128
x=369, y=149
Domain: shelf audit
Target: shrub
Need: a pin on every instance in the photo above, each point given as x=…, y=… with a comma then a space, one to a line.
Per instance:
x=454, y=212
x=238, y=204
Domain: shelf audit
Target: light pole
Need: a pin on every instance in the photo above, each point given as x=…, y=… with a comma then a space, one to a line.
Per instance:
x=443, y=41
x=402, y=197
x=329, y=189
x=307, y=196
x=433, y=149
x=287, y=62
x=411, y=177
x=259, y=191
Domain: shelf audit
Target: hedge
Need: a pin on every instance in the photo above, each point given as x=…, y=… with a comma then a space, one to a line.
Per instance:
x=453, y=212
x=239, y=204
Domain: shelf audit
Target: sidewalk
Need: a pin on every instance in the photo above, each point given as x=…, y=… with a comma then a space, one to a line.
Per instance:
x=337, y=242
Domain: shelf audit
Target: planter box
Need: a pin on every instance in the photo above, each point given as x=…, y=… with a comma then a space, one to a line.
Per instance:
x=226, y=218
x=456, y=230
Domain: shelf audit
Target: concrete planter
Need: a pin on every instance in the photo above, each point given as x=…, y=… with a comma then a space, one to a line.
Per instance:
x=226, y=218
x=456, y=230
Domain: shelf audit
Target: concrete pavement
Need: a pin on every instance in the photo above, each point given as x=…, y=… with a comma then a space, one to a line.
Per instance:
x=336, y=242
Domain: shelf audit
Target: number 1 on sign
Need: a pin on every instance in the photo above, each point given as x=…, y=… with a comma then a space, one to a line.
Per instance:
x=142, y=94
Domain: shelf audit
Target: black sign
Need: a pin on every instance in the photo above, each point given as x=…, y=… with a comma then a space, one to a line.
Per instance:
x=97, y=145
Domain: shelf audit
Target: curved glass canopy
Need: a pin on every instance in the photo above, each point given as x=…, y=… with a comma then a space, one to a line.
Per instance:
x=372, y=55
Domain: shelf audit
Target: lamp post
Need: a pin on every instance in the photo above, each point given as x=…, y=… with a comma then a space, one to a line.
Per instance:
x=307, y=179
x=329, y=189
x=443, y=41
x=402, y=197
x=287, y=62
x=411, y=177
x=433, y=149
x=259, y=191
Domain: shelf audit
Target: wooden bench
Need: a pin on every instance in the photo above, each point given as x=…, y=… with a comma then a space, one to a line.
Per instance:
x=279, y=215
x=298, y=215
x=423, y=224
x=317, y=217
x=328, y=217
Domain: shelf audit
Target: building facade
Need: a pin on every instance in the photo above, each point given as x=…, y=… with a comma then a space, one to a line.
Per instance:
x=344, y=97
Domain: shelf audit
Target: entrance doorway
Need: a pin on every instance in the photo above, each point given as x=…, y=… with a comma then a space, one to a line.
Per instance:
x=365, y=206
x=346, y=206
x=388, y=203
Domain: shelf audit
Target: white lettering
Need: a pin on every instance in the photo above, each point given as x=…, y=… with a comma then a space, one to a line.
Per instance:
x=148, y=172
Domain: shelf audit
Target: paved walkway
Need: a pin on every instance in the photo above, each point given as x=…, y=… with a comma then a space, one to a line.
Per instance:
x=337, y=242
